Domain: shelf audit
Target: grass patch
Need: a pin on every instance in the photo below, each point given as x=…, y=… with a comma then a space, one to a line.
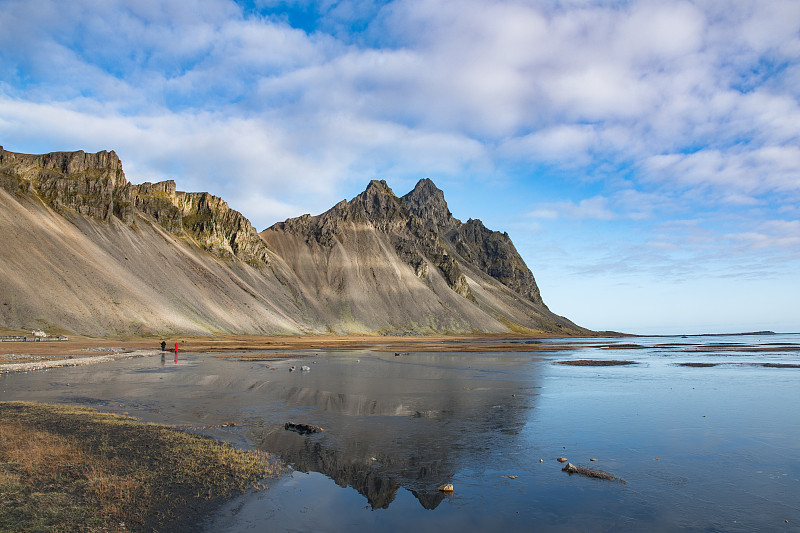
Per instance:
x=517, y=328
x=65, y=468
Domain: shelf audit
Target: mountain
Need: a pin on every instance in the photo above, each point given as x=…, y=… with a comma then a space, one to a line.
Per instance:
x=85, y=251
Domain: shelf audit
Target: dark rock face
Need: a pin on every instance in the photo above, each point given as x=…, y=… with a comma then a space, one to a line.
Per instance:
x=494, y=253
x=91, y=184
x=207, y=219
x=424, y=231
x=158, y=201
x=415, y=239
x=491, y=251
x=377, y=205
x=426, y=202
x=220, y=229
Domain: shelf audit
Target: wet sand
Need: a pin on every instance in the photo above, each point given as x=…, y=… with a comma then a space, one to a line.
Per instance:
x=28, y=363
x=256, y=347
x=15, y=356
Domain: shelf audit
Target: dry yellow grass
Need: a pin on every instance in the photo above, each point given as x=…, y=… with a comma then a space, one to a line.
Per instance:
x=75, y=469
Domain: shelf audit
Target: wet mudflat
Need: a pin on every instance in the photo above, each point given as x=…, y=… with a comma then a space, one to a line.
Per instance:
x=700, y=447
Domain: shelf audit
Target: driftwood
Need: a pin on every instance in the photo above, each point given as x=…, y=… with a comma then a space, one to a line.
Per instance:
x=589, y=472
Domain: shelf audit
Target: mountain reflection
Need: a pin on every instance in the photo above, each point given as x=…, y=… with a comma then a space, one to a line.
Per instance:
x=413, y=426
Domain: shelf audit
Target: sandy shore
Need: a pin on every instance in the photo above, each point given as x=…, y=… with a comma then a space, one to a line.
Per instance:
x=24, y=356
x=55, y=361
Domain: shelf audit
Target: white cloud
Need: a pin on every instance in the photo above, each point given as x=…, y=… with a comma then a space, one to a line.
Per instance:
x=595, y=208
x=659, y=110
x=566, y=83
x=748, y=171
x=569, y=145
x=781, y=234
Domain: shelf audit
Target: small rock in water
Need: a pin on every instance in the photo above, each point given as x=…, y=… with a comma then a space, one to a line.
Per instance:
x=303, y=429
x=562, y=459
x=593, y=459
x=541, y=460
x=512, y=477
x=305, y=368
x=447, y=487
x=599, y=474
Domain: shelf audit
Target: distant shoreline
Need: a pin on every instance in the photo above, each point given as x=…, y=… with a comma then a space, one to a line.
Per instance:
x=717, y=334
x=78, y=351
x=27, y=356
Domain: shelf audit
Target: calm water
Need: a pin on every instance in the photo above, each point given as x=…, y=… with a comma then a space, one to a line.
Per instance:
x=700, y=448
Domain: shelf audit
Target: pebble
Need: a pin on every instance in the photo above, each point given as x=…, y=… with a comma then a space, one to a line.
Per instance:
x=447, y=487
x=562, y=459
x=593, y=459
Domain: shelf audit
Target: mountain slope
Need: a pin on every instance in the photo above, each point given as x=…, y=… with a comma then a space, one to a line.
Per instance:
x=85, y=251
x=412, y=267
x=79, y=255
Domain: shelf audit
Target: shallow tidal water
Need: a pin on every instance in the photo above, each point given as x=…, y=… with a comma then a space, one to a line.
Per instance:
x=712, y=448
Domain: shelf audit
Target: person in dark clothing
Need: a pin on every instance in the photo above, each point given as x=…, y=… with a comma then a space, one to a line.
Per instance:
x=163, y=345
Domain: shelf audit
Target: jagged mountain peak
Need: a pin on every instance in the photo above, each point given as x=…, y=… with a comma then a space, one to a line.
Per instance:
x=377, y=204
x=427, y=202
x=378, y=186
x=426, y=187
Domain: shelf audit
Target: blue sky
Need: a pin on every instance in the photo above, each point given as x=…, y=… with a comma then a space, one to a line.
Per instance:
x=643, y=156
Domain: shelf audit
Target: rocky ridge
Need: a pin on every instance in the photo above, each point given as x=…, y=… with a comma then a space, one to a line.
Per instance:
x=113, y=257
x=423, y=231
x=94, y=185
